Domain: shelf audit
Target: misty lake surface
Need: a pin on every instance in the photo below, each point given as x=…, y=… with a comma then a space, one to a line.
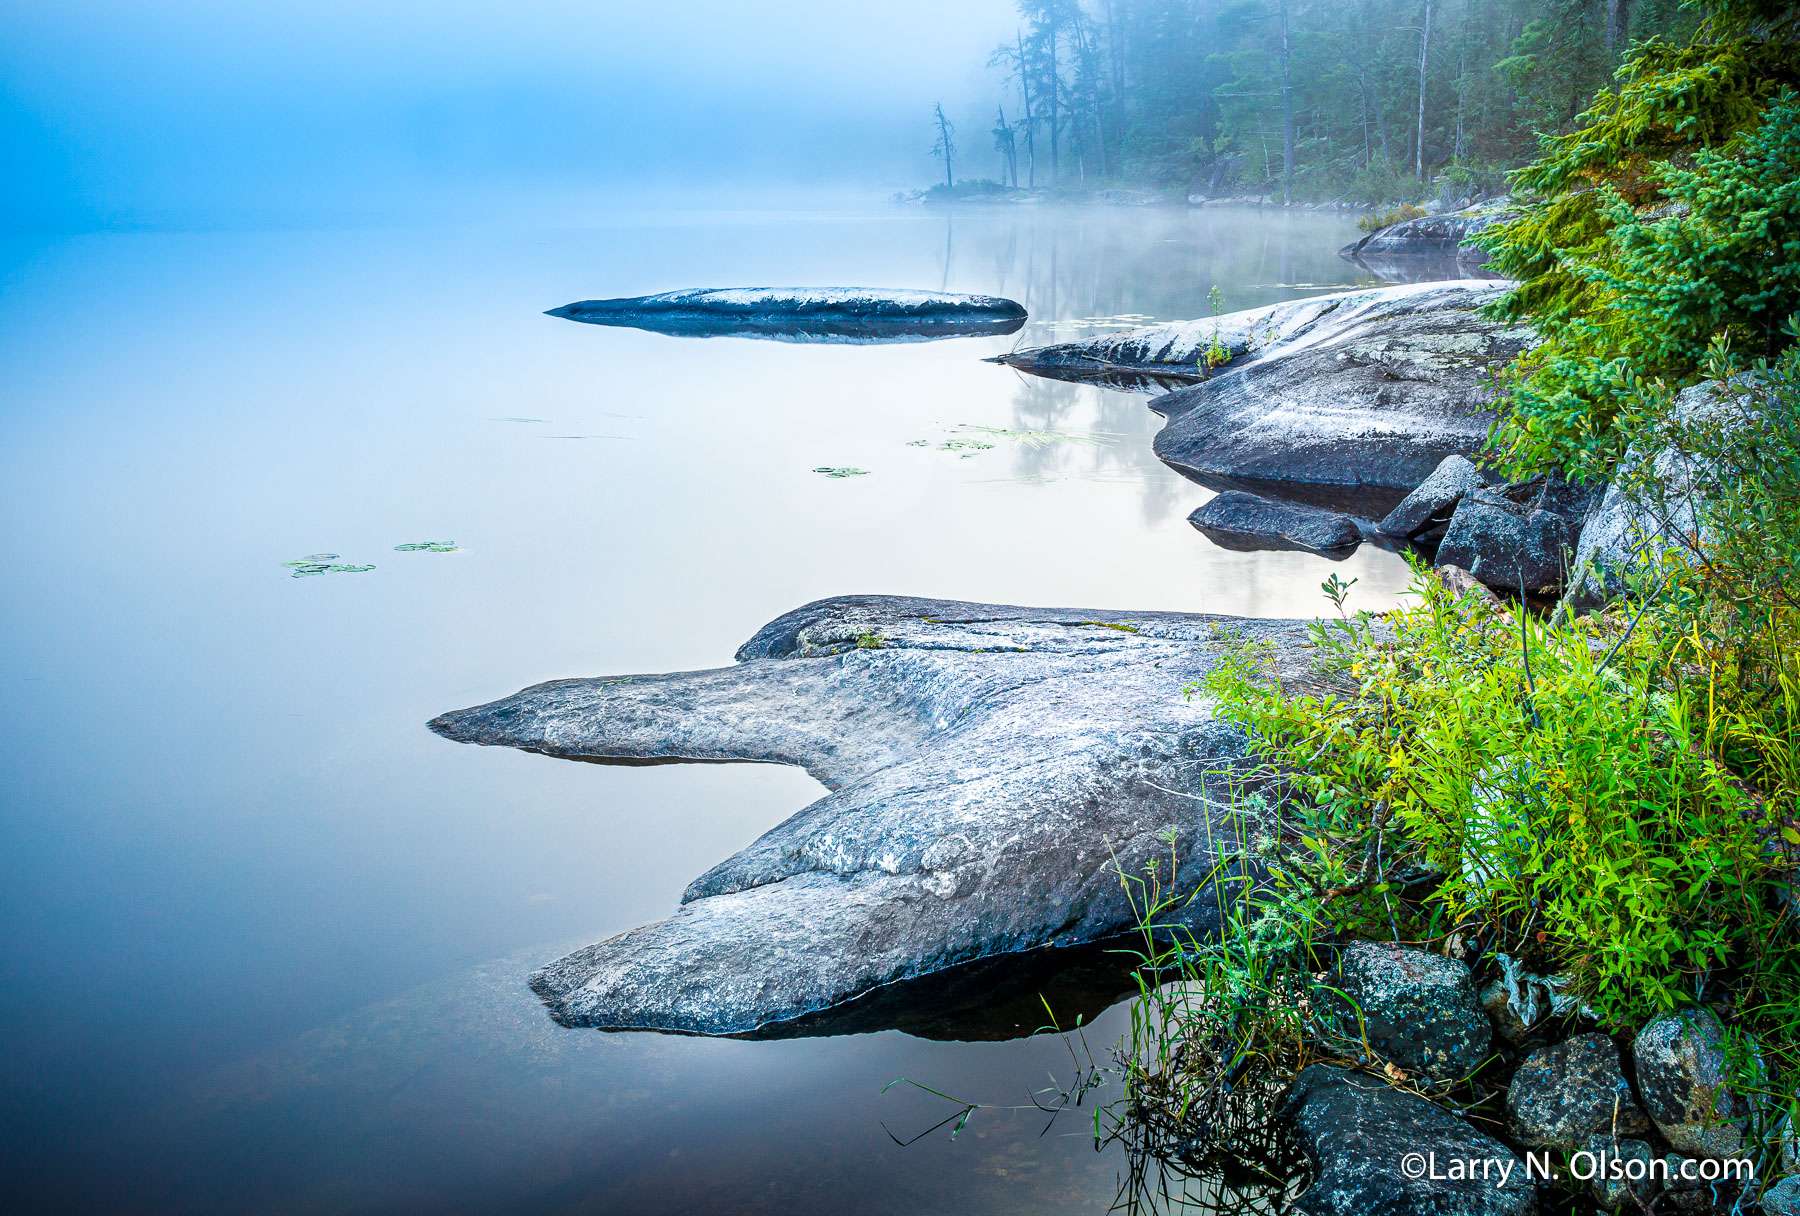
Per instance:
x=268, y=937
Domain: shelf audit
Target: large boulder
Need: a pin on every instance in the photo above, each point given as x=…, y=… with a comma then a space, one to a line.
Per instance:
x=1439, y=245
x=1377, y=1151
x=1507, y=544
x=986, y=765
x=1235, y=519
x=1415, y=1009
x=1654, y=506
x=1363, y=388
x=1683, y=1080
x=1563, y=1094
x=803, y=314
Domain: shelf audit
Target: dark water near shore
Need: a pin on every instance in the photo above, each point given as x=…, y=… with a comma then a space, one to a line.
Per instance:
x=267, y=936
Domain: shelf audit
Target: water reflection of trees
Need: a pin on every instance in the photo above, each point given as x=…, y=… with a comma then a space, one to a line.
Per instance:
x=1086, y=271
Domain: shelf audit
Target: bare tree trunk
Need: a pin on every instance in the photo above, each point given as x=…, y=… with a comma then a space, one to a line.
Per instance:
x=1115, y=50
x=1462, y=75
x=1424, y=51
x=1287, y=116
x=1030, y=125
x=944, y=134
x=1615, y=22
x=1055, y=90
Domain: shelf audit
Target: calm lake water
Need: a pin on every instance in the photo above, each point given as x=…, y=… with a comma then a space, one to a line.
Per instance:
x=267, y=936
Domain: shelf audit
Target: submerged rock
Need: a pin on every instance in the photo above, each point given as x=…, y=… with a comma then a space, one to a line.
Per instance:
x=1563, y=1094
x=1683, y=1080
x=1418, y=1009
x=1238, y=520
x=805, y=314
x=1362, y=1138
x=1361, y=388
x=986, y=765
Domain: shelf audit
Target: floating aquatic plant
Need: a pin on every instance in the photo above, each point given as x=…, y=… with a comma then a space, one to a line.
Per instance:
x=321, y=563
x=830, y=471
x=427, y=546
x=1038, y=439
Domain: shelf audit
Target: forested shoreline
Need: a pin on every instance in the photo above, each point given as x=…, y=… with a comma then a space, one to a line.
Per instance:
x=1360, y=101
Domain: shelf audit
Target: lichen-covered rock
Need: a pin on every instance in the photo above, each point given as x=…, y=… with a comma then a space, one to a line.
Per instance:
x=1363, y=388
x=1417, y=1009
x=1782, y=1199
x=1517, y=1001
x=1239, y=520
x=1682, y=1079
x=1430, y=505
x=1362, y=1139
x=1508, y=545
x=990, y=769
x=802, y=314
x=1621, y=1170
x=1563, y=1094
x=1654, y=504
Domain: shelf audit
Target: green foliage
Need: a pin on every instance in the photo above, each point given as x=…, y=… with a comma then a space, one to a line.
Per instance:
x=1668, y=216
x=1567, y=784
x=1375, y=221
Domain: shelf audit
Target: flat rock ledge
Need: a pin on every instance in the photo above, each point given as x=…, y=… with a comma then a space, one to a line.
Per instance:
x=805, y=313
x=986, y=766
x=1361, y=388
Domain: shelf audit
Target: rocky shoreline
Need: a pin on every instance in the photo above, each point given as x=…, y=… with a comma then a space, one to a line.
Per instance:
x=993, y=769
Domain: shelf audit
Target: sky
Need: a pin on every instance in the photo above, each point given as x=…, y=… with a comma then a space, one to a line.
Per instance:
x=196, y=113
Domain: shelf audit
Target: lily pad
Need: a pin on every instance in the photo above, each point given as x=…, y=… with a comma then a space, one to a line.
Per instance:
x=314, y=564
x=427, y=546
x=831, y=471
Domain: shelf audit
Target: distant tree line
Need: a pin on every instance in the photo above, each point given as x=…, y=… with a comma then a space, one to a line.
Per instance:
x=1369, y=100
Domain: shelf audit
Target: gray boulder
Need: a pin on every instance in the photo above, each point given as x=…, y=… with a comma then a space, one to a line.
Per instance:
x=1620, y=1169
x=1654, y=505
x=1682, y=1079
x=986, y=764
x=1365, y=388
x=1430, y=505
x=1508, y=545
x=802, y=314
x=1362, y=1140
x=1417, y=1009
x=1428, y=236
x=1563, y=1094
x=1782, y=1199
x=1239, y=520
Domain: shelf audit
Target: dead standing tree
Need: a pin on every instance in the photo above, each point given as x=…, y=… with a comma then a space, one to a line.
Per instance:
x=945, y=147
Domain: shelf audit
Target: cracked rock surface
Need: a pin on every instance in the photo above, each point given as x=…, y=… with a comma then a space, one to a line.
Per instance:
x=986, y=766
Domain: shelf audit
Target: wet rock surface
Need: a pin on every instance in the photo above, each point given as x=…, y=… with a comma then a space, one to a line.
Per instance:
x=1418, y=1009
x=802, y=314
x=1364, y=388
x=1239, y=520
x=1356, y=1132
x=1563, y=1094
x=1683, y=1081
x=986, y=764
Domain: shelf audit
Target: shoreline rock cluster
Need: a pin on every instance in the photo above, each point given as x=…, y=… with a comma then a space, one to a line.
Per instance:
x=1574, y=1103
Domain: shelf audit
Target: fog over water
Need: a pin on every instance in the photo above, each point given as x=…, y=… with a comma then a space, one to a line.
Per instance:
x=273, y=286
x=196, y=113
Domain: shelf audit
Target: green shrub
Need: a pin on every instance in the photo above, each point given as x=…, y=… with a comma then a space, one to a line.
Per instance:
x=1375, y=221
